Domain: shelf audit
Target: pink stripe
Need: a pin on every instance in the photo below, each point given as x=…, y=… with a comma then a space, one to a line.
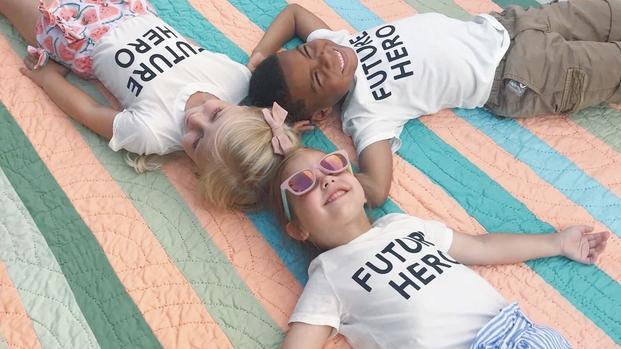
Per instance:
x=170, y=306
x=389, y=10
x=15, y=324
x=476, y=7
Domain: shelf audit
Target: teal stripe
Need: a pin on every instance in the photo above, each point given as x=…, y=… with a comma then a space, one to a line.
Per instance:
x=94, y=283
x=589, y=289
x=551, y=166
x=190, y=23
x=356, y=13
x=51, y=306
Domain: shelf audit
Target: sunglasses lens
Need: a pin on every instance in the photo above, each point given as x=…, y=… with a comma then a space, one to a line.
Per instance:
x=301, y=181
x=334, y=162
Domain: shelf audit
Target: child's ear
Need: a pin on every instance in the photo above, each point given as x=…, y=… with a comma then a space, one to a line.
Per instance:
x=321, y=114
x=296, y=232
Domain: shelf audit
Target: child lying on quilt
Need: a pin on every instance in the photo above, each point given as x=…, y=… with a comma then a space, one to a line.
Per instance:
x=174, y=94
x=519, y=63
x=400, y=282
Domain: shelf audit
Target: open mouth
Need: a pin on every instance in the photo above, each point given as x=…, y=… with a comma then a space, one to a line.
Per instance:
x=335, y=196
x=341, y=59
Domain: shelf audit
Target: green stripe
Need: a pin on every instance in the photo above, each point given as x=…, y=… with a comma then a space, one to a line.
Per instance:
x=94, y=283
x=51, y=306
x=602, y=121
x=447, y=7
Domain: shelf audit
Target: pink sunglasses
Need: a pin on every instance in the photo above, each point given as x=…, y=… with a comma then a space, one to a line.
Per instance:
x=305, y=180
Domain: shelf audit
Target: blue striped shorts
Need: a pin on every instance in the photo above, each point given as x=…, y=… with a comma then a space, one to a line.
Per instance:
x=511, y=329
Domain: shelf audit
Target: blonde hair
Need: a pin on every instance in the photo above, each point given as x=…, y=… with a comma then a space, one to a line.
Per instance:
x=143, y=163
x=240, y=167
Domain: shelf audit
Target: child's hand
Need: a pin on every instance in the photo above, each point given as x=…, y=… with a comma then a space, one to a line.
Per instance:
x=578, y=244
x=255, y=59
x=302, y=126
x=38, y=76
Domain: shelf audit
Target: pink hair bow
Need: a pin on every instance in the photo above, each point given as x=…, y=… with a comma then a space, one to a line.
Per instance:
x=275, y=119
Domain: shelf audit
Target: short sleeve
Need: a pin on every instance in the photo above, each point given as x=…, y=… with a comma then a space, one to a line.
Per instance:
x=365, y=132
x=318, y=304
x=439, y=234
x=131, y=132
x=337, y=36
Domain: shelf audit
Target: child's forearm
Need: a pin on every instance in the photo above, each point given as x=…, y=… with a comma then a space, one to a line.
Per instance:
x=576, y=242
x=78, y=105
x=501, y=248
x=278, y=33
x=293, y=21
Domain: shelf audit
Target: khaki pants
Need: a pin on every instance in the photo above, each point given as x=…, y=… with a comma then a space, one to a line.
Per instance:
x=567, y=54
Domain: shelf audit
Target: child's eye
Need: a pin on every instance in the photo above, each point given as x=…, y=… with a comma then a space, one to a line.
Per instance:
x=306, y=51
x=317, y=79
x=216, y=114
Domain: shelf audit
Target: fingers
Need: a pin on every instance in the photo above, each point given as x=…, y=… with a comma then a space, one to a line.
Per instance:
x=597, y=244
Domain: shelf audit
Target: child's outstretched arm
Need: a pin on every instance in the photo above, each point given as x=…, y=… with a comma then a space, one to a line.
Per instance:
x=70, y=99
x=575, y=242
x=305, y=336
x=375, y=174
x=294, y=20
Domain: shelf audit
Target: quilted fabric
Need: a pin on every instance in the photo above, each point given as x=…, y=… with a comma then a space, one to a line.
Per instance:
x=93, y=255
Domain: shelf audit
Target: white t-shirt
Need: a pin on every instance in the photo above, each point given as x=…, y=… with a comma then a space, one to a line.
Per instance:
x=416, y=66
x=152, y=70
x=396, y=287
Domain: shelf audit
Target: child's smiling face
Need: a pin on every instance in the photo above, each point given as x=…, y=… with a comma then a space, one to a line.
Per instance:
x=319, y=72
x=335, y=201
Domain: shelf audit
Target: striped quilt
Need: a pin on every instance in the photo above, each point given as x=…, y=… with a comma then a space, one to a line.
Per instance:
x=93, y=255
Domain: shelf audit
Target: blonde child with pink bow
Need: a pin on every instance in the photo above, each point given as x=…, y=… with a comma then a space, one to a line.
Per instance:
x=174, y=95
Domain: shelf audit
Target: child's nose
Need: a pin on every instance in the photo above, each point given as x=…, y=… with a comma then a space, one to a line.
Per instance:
x=326, y=181
x=327, y=57
x=197, y=120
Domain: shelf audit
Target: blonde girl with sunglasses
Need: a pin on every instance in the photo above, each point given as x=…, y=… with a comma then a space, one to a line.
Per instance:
x=401, y=281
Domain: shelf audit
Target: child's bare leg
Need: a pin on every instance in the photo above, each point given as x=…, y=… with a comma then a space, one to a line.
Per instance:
x=23, y=14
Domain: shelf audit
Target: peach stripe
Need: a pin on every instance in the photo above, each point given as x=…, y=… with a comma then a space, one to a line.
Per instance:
x=545, y=201
x=227, y=19
x=596, y=158
x=389, y=10
x=256, y=262
x=169, y=305
x=15, y=323
x=476, y=7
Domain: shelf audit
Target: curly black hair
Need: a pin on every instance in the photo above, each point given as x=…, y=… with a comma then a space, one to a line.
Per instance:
x=268, y=85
